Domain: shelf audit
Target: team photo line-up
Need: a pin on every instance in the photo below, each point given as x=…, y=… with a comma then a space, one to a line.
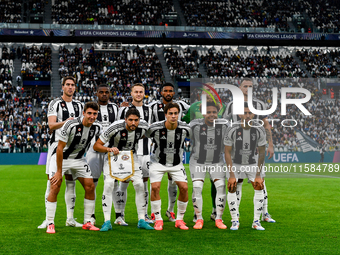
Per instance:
x=138, y=142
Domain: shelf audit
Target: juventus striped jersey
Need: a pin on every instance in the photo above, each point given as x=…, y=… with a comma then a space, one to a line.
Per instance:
x=158, y=110
x=77, y=137
x=145, y=114
x=244, y=143
x=168, y=149
x=258, y=105
x=63, y=110
x=207, y=141
x=118, y=136
x=107, y=114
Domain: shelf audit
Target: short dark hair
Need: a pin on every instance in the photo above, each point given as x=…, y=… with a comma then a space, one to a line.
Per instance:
x=168, y=84
x=92, y=105
x=103, y=86
x=171, y=105
x=68, y=78
x=212, y=103
x=246, y=79
x=132, y=111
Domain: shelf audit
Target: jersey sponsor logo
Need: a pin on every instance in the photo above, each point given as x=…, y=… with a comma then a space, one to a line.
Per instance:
x=212, y=147
x=245, y=152
x=105, y=117
x=83, y=141
x=78, y=134
x=239, y=139
x=125, y=157
x=211, y=140
x=163, y=138
x=170, y=145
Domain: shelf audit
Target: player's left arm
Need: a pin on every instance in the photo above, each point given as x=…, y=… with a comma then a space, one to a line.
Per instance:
x=269, y=138
x=99, y=146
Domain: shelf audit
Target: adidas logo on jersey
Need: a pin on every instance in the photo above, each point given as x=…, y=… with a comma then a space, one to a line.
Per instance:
x=78, y=134
x=239, y=139
x=163, y=137
x=161, y=110
x=203, y=133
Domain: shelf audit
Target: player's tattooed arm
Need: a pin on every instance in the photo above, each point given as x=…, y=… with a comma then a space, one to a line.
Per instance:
x=232, y=179
x=269, y=138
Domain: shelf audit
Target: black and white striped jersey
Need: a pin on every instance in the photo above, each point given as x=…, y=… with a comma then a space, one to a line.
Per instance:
x=118, y=136
x=258, y=105
x=244, y=143
x=207, y=141
x=145, y=114
x=63, y=110
x=158, y=110
x=77, y=137
x=168, y=144
x=107, y=114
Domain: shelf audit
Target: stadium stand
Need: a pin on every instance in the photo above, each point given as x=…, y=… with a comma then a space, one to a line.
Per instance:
x=10, y=12
x=122, y=12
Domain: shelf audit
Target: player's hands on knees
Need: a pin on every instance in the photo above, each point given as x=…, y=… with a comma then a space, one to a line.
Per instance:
x=232, y=185
x=114, y=150
x=258, y=183
x=56, y=179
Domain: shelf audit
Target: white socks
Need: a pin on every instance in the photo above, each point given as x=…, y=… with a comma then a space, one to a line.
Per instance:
x=258, y=204
x=156, y=209
x=239, y=193
x=107, y=198
x=146, y=196
x=197, y=200
x=181, y=208
x=51, y=208
x=139, y=199
x=121, y=197
x=233, y=207
x=265, y=200
x=220, y=198
x=88, y=209
x=70, y=197
x=172, y=195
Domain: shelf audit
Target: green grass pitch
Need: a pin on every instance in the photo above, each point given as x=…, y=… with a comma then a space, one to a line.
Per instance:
x=306, y=210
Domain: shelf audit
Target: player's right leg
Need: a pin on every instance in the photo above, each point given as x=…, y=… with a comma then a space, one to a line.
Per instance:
x=156, y=174
x=51, y=202
x=197, y=173
x=51, y=148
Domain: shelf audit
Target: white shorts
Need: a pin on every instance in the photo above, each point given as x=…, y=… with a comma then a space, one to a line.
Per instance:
x=177, y=173
x=96, y=161
x=144, y=161
x=138, y=176
x=76, y=167
x=51, y=148
x=244, y=171
x=198, y=171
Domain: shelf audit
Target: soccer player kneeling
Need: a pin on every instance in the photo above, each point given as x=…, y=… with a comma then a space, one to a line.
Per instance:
x=75, y=139
x=240, y=143
x=207, y=156
x=168, y=136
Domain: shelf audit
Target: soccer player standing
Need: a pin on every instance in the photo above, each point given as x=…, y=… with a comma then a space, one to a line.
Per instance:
x=107, y=114
x=138, y=93
x=158, y=114
x=207, y=156
x=60, y=110
x=75, y=139
x=259, y=105
x=169, y=136
x=241, y=142
x=123, y=135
